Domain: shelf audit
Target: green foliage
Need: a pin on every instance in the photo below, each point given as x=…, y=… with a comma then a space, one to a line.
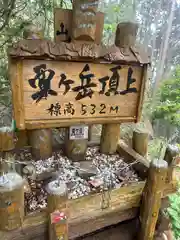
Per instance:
x=169, y=96
x=174, y=213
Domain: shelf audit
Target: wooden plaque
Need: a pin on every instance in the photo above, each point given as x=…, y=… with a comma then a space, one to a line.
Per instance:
x=63, y=19
x=55, y=94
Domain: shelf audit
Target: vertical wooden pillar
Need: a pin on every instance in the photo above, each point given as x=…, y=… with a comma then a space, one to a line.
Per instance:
x=125, y=38
x=39, y=139
x=11, y=201
x=57, y=202
x=109, y=138
x=75, y=149
x=11, y=186
x=6, y=146
x=172, y=152
x=41, y=143
x=151, y=201
x=140, y=142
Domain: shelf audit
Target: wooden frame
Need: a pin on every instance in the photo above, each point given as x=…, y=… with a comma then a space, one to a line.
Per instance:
x=124, y=205
x=16, y=68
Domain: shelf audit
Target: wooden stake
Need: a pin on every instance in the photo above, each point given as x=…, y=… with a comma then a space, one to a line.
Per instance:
x=11, y=202
x=75, y=149
x=57, y=201
x=125, y=37
x=109, y=138
x=172, y=152
x=151, y=200
x=41, y=143
x=140, y=142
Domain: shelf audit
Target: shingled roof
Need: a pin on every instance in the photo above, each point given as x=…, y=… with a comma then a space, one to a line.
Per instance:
x=45, y=49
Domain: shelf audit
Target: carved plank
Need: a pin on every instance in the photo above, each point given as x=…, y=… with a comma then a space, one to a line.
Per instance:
x=66, y=104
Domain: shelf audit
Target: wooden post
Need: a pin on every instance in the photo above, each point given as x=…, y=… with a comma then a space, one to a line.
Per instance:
x=6, y=146
x=41, y=143
x=75, y=149
x=11, y=201
x=39, y=139
x=22, y=139
x=82, y=18
x=57, y=202
x=140, y=142
x=109, y=138
x=125, y=37
x=172, y=152
x=151, y=200
x=83, y=29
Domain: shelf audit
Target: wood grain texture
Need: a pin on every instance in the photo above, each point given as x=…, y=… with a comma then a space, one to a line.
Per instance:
x=86, y=215
x=41, y=143
x=78, y=51
x=15, y=72
x=75, y=149
x=12, y=216
x=121, y=209
x=141, y=96
x=57, y=202
x=142, y=164
x=65, y=16
x=140, y=142
x=99, y=107
x=62, y=16
x=84, y=20
x=171, y=154
x=126, y=33
x=151, y=201
x=109, y=138
x=21, y=139
x=6, y=141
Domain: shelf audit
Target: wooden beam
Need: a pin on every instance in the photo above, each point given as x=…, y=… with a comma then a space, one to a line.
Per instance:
x=129, y=155
x=86, y=212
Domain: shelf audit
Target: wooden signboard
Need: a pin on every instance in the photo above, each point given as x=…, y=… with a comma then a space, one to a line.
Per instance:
x=57, y=93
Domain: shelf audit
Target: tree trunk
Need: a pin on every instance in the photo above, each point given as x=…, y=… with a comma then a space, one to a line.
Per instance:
x=163, y=55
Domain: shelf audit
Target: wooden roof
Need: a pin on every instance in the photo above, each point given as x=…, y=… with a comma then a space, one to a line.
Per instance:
x=77, y=51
